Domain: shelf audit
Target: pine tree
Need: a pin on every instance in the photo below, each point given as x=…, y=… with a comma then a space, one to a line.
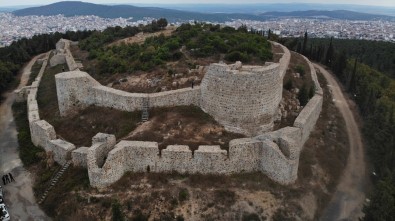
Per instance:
x=304, y=44
x=329, y=54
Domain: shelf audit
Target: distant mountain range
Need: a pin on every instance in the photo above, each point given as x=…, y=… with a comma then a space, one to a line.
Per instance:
x=73, y=8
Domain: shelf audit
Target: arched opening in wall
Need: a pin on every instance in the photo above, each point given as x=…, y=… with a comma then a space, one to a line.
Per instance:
x=148, y=169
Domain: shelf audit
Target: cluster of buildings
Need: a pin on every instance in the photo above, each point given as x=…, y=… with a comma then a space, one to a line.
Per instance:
x=14, y=27
x=379, y=30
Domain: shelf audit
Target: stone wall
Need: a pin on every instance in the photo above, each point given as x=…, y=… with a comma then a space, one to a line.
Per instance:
x=42, y=133
x=243, y=99
x=63, y=55
x=245, y=155
x=77, y=89
x=308, y=117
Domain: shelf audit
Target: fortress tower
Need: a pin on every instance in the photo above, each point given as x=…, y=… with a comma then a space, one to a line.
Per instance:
x=242, y=98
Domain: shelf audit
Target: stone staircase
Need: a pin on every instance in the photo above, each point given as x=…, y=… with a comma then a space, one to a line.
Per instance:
x=54, y=180
x=144, y=113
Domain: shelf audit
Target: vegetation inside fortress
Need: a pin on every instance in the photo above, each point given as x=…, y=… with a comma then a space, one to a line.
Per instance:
x=164, y=62
x=356, y=64
x=298, y=88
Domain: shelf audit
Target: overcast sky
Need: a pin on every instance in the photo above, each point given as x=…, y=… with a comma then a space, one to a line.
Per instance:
x=357, y=2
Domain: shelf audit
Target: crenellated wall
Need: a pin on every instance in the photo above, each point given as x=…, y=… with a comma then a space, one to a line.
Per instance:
x=245, y=155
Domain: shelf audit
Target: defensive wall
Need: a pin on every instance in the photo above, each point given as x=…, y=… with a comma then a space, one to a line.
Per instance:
x=275, y=153
x=63, y=55
x=244, y=99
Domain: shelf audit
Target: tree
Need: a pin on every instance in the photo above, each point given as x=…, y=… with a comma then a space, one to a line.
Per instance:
x=329, y=54
x=304, y=44
x=303, y=95
x=162, y=23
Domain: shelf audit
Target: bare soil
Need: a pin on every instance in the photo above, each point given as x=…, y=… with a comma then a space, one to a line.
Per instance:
x=140, y=37
x=185, y=125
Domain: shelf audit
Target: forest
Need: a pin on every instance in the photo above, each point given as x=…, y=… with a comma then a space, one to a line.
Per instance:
x=352, y=61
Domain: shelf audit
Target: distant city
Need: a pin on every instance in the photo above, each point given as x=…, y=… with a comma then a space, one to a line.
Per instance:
x=16, y=27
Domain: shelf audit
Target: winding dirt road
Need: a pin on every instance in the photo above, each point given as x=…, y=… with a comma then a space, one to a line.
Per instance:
x=19, y=194
x=347, y=202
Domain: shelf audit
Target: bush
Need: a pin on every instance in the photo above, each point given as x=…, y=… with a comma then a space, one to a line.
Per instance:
x=117, y=214
x=251, y=217
x=303, y=95
x=300, y=69
x=183, y=195
x=288, y=85
x=237, y=56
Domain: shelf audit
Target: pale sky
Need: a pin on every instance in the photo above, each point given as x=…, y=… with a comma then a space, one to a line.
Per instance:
x=390, y=3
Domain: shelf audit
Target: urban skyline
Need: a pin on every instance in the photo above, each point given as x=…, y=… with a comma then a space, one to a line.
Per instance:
x=387, y=3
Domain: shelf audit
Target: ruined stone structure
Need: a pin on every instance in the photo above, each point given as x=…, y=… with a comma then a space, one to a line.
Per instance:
x=275, y=153
x=62, y=55
x=244, y=99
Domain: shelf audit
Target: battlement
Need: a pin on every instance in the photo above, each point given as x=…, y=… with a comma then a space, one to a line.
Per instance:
x=245, y=155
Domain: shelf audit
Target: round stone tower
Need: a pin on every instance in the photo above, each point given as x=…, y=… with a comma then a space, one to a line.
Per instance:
x=242, y=98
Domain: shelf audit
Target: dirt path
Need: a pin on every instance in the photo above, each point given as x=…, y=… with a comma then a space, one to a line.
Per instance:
x=19, y=194
x=349, y=197
x=140, y=37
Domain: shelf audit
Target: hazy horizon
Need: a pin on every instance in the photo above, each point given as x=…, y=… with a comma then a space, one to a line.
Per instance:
x=382, y=3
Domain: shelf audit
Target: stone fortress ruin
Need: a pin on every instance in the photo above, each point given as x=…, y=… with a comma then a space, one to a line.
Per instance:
x=244, y=99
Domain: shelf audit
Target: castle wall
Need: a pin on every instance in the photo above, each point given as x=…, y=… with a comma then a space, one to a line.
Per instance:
x=79, y=157
x=63, y=55
x=175, y=158
x=243, y=98
x=245, y=155
x=77, y=90
x=61, y=150
x=42, y=132
x=276, y=165
x=308, y=116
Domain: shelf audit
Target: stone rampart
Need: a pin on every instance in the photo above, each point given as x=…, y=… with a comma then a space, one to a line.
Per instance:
x=244, y=100
x=245, y=155
x=317, y=86
x=63, y=55
x=61, y=150
x=308, y=116
x=77, y=90
x=79, y=157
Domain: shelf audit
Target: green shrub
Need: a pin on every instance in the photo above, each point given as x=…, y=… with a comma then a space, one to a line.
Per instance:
x=183, y=195
x=300, y=69
x=288, y=85
x=117, y=214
